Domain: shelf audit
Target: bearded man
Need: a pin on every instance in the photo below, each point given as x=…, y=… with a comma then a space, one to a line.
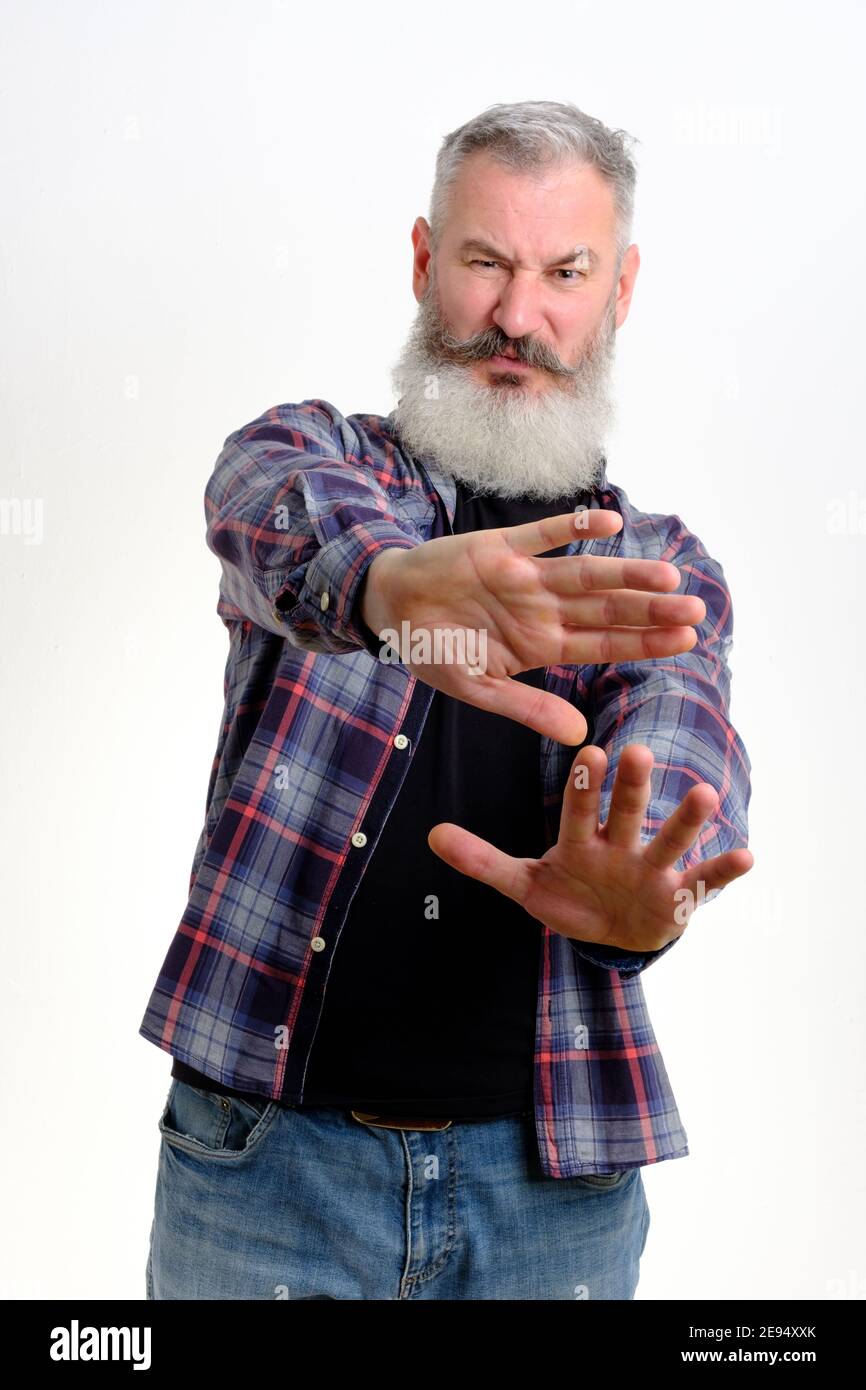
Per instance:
x=411, y=1052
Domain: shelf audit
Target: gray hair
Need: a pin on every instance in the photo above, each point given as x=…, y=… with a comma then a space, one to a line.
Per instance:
x=532, y=136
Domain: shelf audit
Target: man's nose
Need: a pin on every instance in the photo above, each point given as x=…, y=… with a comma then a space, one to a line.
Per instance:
x=518, y=311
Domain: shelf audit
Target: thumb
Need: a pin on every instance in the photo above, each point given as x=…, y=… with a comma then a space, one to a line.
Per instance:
x=550, y=715
x=478, y=859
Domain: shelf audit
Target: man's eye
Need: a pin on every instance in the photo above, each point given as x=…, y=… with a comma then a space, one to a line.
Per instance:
x=563, y=270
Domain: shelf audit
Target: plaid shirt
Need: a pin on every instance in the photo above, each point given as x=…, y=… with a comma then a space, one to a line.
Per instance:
x=316, y=739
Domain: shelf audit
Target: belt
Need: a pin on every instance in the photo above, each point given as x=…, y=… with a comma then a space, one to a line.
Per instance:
x=397, y=1121
x=389, y=1121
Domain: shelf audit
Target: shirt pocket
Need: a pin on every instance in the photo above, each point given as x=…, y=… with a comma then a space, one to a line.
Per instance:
x=413, y=506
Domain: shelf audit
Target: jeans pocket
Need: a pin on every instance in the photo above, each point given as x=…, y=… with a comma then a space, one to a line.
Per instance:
x=207, y=1123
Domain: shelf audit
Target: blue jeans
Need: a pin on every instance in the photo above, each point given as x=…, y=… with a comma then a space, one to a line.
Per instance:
x=263, y=1201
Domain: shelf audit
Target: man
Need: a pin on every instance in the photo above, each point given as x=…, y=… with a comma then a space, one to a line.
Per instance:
x=412, y=1056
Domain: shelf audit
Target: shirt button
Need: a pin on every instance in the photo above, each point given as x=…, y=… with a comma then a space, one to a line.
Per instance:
x=318, y=943
x=401, y=741
x=324, y=600
x=359, y=839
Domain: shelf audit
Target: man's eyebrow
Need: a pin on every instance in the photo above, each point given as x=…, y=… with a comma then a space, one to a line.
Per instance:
x=572, y=254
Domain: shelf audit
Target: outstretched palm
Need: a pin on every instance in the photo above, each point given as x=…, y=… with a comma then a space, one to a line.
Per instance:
x=600, y=883
x=497, y=587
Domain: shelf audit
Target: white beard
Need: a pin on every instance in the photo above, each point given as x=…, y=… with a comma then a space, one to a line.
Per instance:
x=499, y=438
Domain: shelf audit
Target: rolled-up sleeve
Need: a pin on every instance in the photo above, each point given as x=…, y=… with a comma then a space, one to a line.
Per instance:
x=296, y=516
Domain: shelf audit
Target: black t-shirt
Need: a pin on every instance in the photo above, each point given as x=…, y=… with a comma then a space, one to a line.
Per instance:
x=430, y=1002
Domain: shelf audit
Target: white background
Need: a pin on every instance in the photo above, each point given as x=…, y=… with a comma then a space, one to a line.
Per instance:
x=206, y=211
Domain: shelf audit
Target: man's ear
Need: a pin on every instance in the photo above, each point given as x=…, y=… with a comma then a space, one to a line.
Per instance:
x=625, y=287
x=421, y=258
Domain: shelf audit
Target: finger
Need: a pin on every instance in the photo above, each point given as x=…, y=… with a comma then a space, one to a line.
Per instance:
x=629, y=608
x=630, y=796
x=600, y=646
x=478, y=859
x=550, y=532
x=581, y=574
x=717, y=873
x=549, y=715
x=680, y=830
x=582, y=796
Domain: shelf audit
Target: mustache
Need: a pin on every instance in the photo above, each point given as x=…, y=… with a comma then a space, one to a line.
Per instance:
x=492, y=342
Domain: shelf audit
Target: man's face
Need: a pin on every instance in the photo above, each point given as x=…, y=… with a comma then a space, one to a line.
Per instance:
x=505, y=377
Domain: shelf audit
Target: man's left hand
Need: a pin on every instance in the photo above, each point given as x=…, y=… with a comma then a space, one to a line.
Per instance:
x=599, y=883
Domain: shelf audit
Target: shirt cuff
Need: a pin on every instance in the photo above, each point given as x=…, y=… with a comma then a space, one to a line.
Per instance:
x=322, y=611
x=618, y=958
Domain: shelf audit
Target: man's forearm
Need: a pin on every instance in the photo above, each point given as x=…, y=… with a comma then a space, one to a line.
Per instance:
x=295, y=524
x=377, y=603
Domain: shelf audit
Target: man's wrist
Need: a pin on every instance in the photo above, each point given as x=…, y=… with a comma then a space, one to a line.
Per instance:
x=375, y=592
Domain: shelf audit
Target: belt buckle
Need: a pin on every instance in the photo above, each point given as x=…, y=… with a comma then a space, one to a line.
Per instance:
x=385, y=1121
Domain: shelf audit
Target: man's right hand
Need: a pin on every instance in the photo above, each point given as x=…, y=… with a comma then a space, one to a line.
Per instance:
x=529, y=611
